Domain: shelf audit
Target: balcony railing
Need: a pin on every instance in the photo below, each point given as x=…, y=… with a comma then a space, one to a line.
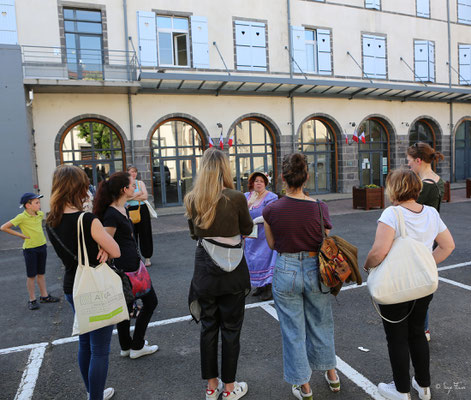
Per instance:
x=41, y=62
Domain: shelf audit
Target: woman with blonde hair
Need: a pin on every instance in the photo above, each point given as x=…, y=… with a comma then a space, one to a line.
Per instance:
x=217, y=217
x=406, y=339
x=69, y=190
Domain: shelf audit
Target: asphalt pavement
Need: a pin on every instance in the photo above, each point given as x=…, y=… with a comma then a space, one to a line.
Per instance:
x=38, y=355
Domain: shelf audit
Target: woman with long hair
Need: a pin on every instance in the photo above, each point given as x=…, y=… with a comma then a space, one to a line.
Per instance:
x=293, y=229
x=142, y=229
x=260, y=258
x=420, y=157
x=69, y=191
x=406, y=339
x=217, y=217
x=109, y=206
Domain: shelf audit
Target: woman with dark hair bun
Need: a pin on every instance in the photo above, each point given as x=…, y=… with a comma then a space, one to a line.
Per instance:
x=293, y=229
x=420, y=157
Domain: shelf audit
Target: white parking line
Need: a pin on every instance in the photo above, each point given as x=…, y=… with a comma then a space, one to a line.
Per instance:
x=461, y=285
x=30, y=374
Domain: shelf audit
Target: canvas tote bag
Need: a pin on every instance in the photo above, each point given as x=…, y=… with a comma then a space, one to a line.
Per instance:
x=408, y=272
x=98, y=292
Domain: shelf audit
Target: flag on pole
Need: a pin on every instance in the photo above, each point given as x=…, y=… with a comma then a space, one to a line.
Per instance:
x=211, y=144
x=346, y=137
x=231, y=141
x=221, y=142
x=355, y=136
x=363, y=137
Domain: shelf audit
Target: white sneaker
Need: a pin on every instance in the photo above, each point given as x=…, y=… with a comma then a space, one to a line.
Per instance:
x=144, y=351
x=299, y=394
x=148, y=262
x=427, y=335
x=108, y=393
x=423, y=392
x=214, y=394
x=240, y=390
x=389, y=391
x=125, y=353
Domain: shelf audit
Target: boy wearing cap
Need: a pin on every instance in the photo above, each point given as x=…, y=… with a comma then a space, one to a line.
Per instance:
x=34, y=247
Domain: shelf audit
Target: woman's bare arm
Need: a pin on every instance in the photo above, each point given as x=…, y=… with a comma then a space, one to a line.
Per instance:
x=269, y=236
x=383, y=241
x=446, y=245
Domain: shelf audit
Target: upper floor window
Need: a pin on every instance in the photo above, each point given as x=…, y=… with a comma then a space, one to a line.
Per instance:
x=464, y=12
x=375, y=4
x=423, y=8
x=312, y=50
x=464, y=55
x=424, y=55
x=251, y=46
x=173, y=41
x=374, y=56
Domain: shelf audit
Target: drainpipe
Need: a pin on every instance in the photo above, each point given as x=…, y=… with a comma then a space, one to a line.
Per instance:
x=290, y=51
x=452, y=175
x=126, y=46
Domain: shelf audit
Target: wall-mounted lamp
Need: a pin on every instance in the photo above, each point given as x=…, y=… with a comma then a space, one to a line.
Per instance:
x=31, y=98
x=352, y=123
x=219, y=125
x=138, y=126
x=405, y=123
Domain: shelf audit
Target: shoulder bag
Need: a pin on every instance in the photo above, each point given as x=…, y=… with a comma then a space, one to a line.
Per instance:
x=135, y=215
x=408, y=272
x=97, y=292
x=140, y=280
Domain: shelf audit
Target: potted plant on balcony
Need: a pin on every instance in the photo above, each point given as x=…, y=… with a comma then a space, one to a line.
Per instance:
x=368, y=196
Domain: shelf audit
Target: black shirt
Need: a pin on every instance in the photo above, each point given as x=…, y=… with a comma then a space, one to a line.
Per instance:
x=67, y=233
x=124, y=236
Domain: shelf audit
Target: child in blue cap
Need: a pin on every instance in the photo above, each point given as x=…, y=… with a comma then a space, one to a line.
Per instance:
x=34, y=247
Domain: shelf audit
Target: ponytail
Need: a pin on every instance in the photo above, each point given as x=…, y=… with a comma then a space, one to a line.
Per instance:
x=109, y=190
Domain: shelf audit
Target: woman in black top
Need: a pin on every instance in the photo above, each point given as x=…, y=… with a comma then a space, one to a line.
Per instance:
x=109, y=207
x=69, y=190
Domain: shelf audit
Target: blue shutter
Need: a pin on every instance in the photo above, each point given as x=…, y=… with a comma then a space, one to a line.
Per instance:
x=465, y=64
x=199, y=41
x=147, y=38
x=8, y=34
x=299, y=48
x=243, y=49
x=431, y=61
x=464, y=11
x=423, y=8
x=421, y=60
x=258, y=43
x=380, y=57
x=369, y=64
x=324, y=60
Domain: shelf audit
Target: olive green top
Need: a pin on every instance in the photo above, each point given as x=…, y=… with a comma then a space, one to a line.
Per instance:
x=432, y=193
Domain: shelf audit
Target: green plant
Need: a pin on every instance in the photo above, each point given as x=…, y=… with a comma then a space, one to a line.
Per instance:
x=372, y=186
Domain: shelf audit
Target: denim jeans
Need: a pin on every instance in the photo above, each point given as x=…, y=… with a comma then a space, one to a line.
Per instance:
x=305, y=314
x=93, y=357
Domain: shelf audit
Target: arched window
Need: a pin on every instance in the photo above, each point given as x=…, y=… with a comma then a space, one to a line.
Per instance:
x=421, y=131
x=463, y=151
x=373, y=155
x=253, y=150
x=95, y=146
x=176, y=146
x=317, y=142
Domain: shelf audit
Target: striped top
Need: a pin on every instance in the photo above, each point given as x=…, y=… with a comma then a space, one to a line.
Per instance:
x=295, y=224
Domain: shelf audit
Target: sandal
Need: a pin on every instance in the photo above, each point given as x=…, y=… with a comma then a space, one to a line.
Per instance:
x=334, y=385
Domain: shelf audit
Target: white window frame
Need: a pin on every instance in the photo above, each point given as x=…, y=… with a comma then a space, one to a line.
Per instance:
x=463, y=7
x=314, y=44
x=172, y=31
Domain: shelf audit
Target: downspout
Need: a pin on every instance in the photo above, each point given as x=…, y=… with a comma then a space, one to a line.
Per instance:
x=290, y=51
x=452, y=169
x=128, y=68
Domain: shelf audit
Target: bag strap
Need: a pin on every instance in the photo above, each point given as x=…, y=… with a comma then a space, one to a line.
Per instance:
x=321, y=219
x=388, y=320
x=400, y=219
x=53, y=233
x=81, y=242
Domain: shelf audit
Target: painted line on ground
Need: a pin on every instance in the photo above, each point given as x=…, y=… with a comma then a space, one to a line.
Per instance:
x=352, y=374
x=461, y=285
x=22, y=348
x=30, y=374
x=465, y=264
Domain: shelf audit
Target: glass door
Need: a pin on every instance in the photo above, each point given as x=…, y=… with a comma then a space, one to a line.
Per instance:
x=90, y=65
x=373, y=167
x=186, y=175
x=463, y=151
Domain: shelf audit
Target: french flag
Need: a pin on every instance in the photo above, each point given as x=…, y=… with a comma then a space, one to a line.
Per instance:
x=346, y=138
x=211, y=144
x=363, y=137
x=221, y=142
x=231, y=141
x=355, y=136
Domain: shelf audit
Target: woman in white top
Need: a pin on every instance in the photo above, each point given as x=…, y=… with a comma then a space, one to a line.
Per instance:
x=406, y=340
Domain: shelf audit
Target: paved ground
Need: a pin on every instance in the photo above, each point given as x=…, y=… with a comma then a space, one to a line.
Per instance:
x=38, y=357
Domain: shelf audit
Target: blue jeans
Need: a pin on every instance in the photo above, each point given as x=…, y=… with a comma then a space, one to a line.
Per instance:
x=93, y=356
x=305, y=314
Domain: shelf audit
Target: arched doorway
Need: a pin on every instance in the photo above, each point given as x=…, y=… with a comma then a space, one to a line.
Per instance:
x=317, y=141
x=422, y=131
x=463, y=151
x=253, y=150
x=94, y=145
x=373, y=155
x=176, y=147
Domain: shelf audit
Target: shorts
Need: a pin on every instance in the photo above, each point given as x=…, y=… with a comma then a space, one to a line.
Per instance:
x=35, y=260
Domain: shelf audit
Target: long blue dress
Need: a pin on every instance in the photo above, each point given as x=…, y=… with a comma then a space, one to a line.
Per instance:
x=260, y=258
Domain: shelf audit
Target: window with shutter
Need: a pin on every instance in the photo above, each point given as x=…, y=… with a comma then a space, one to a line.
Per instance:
x=424, y=59
x=299, y=46
x=464, y=55
x=464, y=12
x=250, y=43
x=147, y=38
x=199, y=41
x=374, y=4
x=173, y=41
x=374, y=56
x=324, y=52
x=8, y=34
x=423, y=8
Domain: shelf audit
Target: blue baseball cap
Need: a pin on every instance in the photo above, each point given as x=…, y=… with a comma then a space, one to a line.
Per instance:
x=29, y=196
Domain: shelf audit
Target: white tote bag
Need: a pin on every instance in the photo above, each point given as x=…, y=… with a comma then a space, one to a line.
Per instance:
x=408, y=272
x=98, y=292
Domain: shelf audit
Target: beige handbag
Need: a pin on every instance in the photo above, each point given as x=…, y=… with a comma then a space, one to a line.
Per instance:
x=135, y=215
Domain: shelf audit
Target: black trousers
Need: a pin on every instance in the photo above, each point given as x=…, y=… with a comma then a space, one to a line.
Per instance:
x=226, y=314
x=136, y=342
x=143, y=232
x=407, y=341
